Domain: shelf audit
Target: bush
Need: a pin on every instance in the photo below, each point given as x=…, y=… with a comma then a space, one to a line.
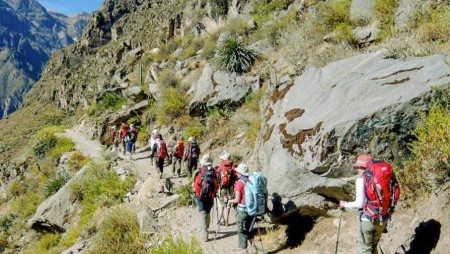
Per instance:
x=62, y=145
x=111, y=101
x=219, y=8
x=99, y=187
x=6, y=222
x=385, y=10
x=173, y=103
x=185, y=192
x=45, y=142
x=3, y=241
x=429, y=167
x=234, y=56
x=197, y=131
x=178, y=246
x=54, y=184
x=332, y=13
x=433, y=25
x=119, y=233
x=77, y=161
x=167, y=79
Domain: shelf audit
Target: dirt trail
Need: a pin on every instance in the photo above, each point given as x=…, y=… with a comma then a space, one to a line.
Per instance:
x=183, y=221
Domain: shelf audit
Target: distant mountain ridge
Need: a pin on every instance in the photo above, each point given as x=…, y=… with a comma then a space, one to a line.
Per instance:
x=28, y=36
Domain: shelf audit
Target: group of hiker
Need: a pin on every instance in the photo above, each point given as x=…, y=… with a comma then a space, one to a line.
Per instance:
x=124, y=138
x=230, y=185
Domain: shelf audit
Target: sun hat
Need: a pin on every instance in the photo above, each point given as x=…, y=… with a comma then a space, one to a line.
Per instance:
x=114, y=127
x=206, y=160
x=225, y=156
x=242, y=169
x=363, y=160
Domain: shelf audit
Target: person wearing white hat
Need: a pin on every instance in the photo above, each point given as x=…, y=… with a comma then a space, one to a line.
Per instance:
x=243, y=220
x=226, y=177
x=205, y=188
x=114, y=138
x=191, y=155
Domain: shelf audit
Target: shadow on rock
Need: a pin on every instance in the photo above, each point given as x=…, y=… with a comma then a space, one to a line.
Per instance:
x=425, y=238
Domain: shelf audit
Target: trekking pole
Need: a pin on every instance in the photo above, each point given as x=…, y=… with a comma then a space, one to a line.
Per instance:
x=339, y=229
x=260, y=239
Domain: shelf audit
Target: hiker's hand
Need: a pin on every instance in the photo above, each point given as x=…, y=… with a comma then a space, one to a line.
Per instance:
x=342, y=204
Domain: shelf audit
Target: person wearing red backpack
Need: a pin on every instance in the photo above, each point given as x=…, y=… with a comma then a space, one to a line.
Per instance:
x=205, y=187
x=161, y=154
x=177, y=157
x=377, y=192
x=226, y=177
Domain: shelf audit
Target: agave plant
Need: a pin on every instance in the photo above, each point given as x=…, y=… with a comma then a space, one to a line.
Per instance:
x=234, y=56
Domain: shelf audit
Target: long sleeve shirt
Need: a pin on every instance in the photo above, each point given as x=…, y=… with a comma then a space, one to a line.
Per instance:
x=360, y=196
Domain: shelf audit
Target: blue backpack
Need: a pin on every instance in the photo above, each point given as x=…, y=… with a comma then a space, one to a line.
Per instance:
x=256, y=194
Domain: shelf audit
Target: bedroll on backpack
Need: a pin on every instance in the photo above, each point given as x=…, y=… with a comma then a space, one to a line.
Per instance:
x=256, y=194
x=381, y=189
x=162, y=150
x=207, y=188
x=179, y=150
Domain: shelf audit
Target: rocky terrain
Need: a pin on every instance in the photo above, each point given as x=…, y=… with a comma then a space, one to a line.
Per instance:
x=319, y=83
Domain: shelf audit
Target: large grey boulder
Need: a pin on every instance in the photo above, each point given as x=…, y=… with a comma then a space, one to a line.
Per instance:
x=53, y=213
x=406, y=15
x=365, y=103
x=362, y=10
x=219, y=88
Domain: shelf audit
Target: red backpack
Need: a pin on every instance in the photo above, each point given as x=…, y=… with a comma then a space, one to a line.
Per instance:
x=162, y=150
x=179, y=149
x=225, y=174
x=381, y=189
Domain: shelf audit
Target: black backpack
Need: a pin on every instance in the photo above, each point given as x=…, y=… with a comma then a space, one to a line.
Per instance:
x=195, y=150
x=208, y=189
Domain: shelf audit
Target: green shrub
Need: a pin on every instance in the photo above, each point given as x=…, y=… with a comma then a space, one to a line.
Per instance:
x=264, y=9
x=178, y=246
x=54, y=184
x=172, y=105
x=167, y=79
x=25, y=205
x=332, y=13
x=186, y=195
x=61, y=146
x=111, y=101
x=3, y=241
x=6, y=222
x=43, y=141
x=209, y=47
x=196, y=131
x=234, y=56
x=344, y=33
x=44, y=245
x=119, y=233
x=253, y=132
x=429, y=167
x=17, y=188
x=219, y=8
x=433, y=25
x=189, y=52
x=385, y=10
x=76, y=161
x=99, y=187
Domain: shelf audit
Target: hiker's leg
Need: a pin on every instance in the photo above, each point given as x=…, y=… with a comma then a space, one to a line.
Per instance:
x=241, y=231
x=174, y=163
x=178, y=160
x=367, y=236
x=377, y=235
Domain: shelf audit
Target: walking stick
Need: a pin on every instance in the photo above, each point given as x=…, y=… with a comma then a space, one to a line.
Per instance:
x=218, y=220
x=339, y=229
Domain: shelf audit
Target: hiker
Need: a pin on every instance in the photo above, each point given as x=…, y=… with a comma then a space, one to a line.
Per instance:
x=135, y=132
x=171, y=147
x=177, y=157
x=371, y=217
x=115, y=138
x=243, y=220
x=205, y=188
x=123, y=133
x=161, y=154
x=226, y=177
x=191, y=155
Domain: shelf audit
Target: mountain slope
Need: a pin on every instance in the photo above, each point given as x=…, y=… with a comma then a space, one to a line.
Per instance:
x=28, y=36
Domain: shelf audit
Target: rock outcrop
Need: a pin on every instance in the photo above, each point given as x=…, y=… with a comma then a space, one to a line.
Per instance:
x=365, y=103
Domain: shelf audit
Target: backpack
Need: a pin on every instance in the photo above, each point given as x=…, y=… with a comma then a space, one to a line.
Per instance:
x=382, y=191
x=179, y=150
x=132, y=136
x=225, y=174
x=256, y=194
x=162, y=150
x=208, y=189
x=195, y=151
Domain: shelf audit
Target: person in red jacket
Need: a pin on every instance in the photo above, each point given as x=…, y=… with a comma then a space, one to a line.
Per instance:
x=205, y=187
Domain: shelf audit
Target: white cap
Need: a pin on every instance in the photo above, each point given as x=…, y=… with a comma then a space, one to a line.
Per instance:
x=225, y=156
x=242, y=169
x=206, y=160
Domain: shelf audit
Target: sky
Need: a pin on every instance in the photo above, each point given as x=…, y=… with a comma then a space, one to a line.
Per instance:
x=70, y=7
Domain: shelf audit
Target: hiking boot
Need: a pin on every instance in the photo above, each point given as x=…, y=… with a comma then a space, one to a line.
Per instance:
x=160, y=175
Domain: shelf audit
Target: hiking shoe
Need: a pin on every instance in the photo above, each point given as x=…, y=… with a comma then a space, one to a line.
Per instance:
x=160, y=175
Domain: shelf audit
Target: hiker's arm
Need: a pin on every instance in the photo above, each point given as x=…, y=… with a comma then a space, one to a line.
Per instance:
x=359, y=199
x=236, y=199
